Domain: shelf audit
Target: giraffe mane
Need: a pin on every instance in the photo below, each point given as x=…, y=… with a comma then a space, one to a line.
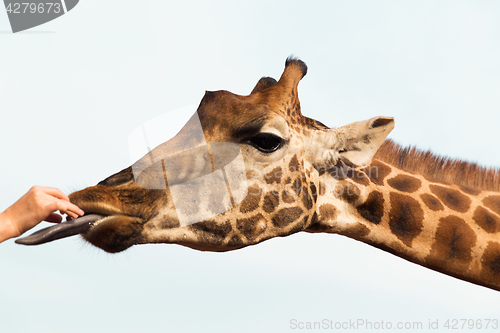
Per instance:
x=438, y=167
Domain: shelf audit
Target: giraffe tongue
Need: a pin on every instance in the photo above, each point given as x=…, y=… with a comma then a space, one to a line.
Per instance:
x=60, y=230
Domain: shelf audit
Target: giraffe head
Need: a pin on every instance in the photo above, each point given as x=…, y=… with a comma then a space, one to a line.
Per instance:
x=274, y=194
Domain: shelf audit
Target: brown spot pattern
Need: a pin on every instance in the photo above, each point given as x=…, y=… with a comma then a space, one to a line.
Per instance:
x=490, y=264
x=335, y=171
x=322, y=170
x=361, y=230
x=271, y=201
x=453, y=199
x=294, y=166
x=432, y=202
x=297, y=186
x=307, y=198
x=317, y=227
x=327, y=212
x=251, y=202
x=372, y=209
x=453, y=245
x=287, y=195
x=254, y=190
x=405, y=218
x=405, y=183
x=235, y=240
x=285, y=216
x=251, y=227
x=274, y=176
x=301, y=225
x=349, y=192
x=486, y=220
x=357, y=231
x=211, y=232
x=358, y=176
x=377, y=171
x=493, y=203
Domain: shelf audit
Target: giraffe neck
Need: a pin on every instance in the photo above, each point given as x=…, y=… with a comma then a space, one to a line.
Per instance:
x=446, y=227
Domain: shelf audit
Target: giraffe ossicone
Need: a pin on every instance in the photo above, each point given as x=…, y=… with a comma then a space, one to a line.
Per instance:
x=295, y=174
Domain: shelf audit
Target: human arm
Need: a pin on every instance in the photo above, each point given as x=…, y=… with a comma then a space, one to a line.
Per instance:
x=37, y=205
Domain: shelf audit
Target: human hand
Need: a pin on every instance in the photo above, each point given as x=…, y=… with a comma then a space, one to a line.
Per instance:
x=37, y=205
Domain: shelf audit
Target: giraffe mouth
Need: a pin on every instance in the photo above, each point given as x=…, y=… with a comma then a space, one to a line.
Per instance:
x=61, y=230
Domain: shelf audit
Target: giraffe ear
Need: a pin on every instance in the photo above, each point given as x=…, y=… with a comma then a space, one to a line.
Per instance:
x=353, y=145
x=359, y=141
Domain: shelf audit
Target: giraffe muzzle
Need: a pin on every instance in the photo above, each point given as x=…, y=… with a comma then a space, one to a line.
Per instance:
x=60, y=230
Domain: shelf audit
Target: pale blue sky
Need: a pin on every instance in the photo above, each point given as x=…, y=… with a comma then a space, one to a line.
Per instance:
x=72, y=90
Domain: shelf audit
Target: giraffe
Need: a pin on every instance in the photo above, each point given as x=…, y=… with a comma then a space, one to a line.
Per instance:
x=301, y=175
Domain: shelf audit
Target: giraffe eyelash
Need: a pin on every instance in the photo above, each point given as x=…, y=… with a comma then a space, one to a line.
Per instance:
x=266, y=142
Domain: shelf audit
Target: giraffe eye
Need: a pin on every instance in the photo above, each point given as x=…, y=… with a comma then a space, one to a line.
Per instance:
x=266, y=142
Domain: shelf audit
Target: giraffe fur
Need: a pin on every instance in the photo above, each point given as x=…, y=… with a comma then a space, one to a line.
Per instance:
x=304, y=176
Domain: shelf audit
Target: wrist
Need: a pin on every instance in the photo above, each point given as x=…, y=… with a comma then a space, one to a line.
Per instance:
x=7, y=227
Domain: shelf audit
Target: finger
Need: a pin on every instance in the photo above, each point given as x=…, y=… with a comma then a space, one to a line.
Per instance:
x=55, y=192
x=75, y=210
x=68, y=208
x=54, y=218
x=72, y=214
